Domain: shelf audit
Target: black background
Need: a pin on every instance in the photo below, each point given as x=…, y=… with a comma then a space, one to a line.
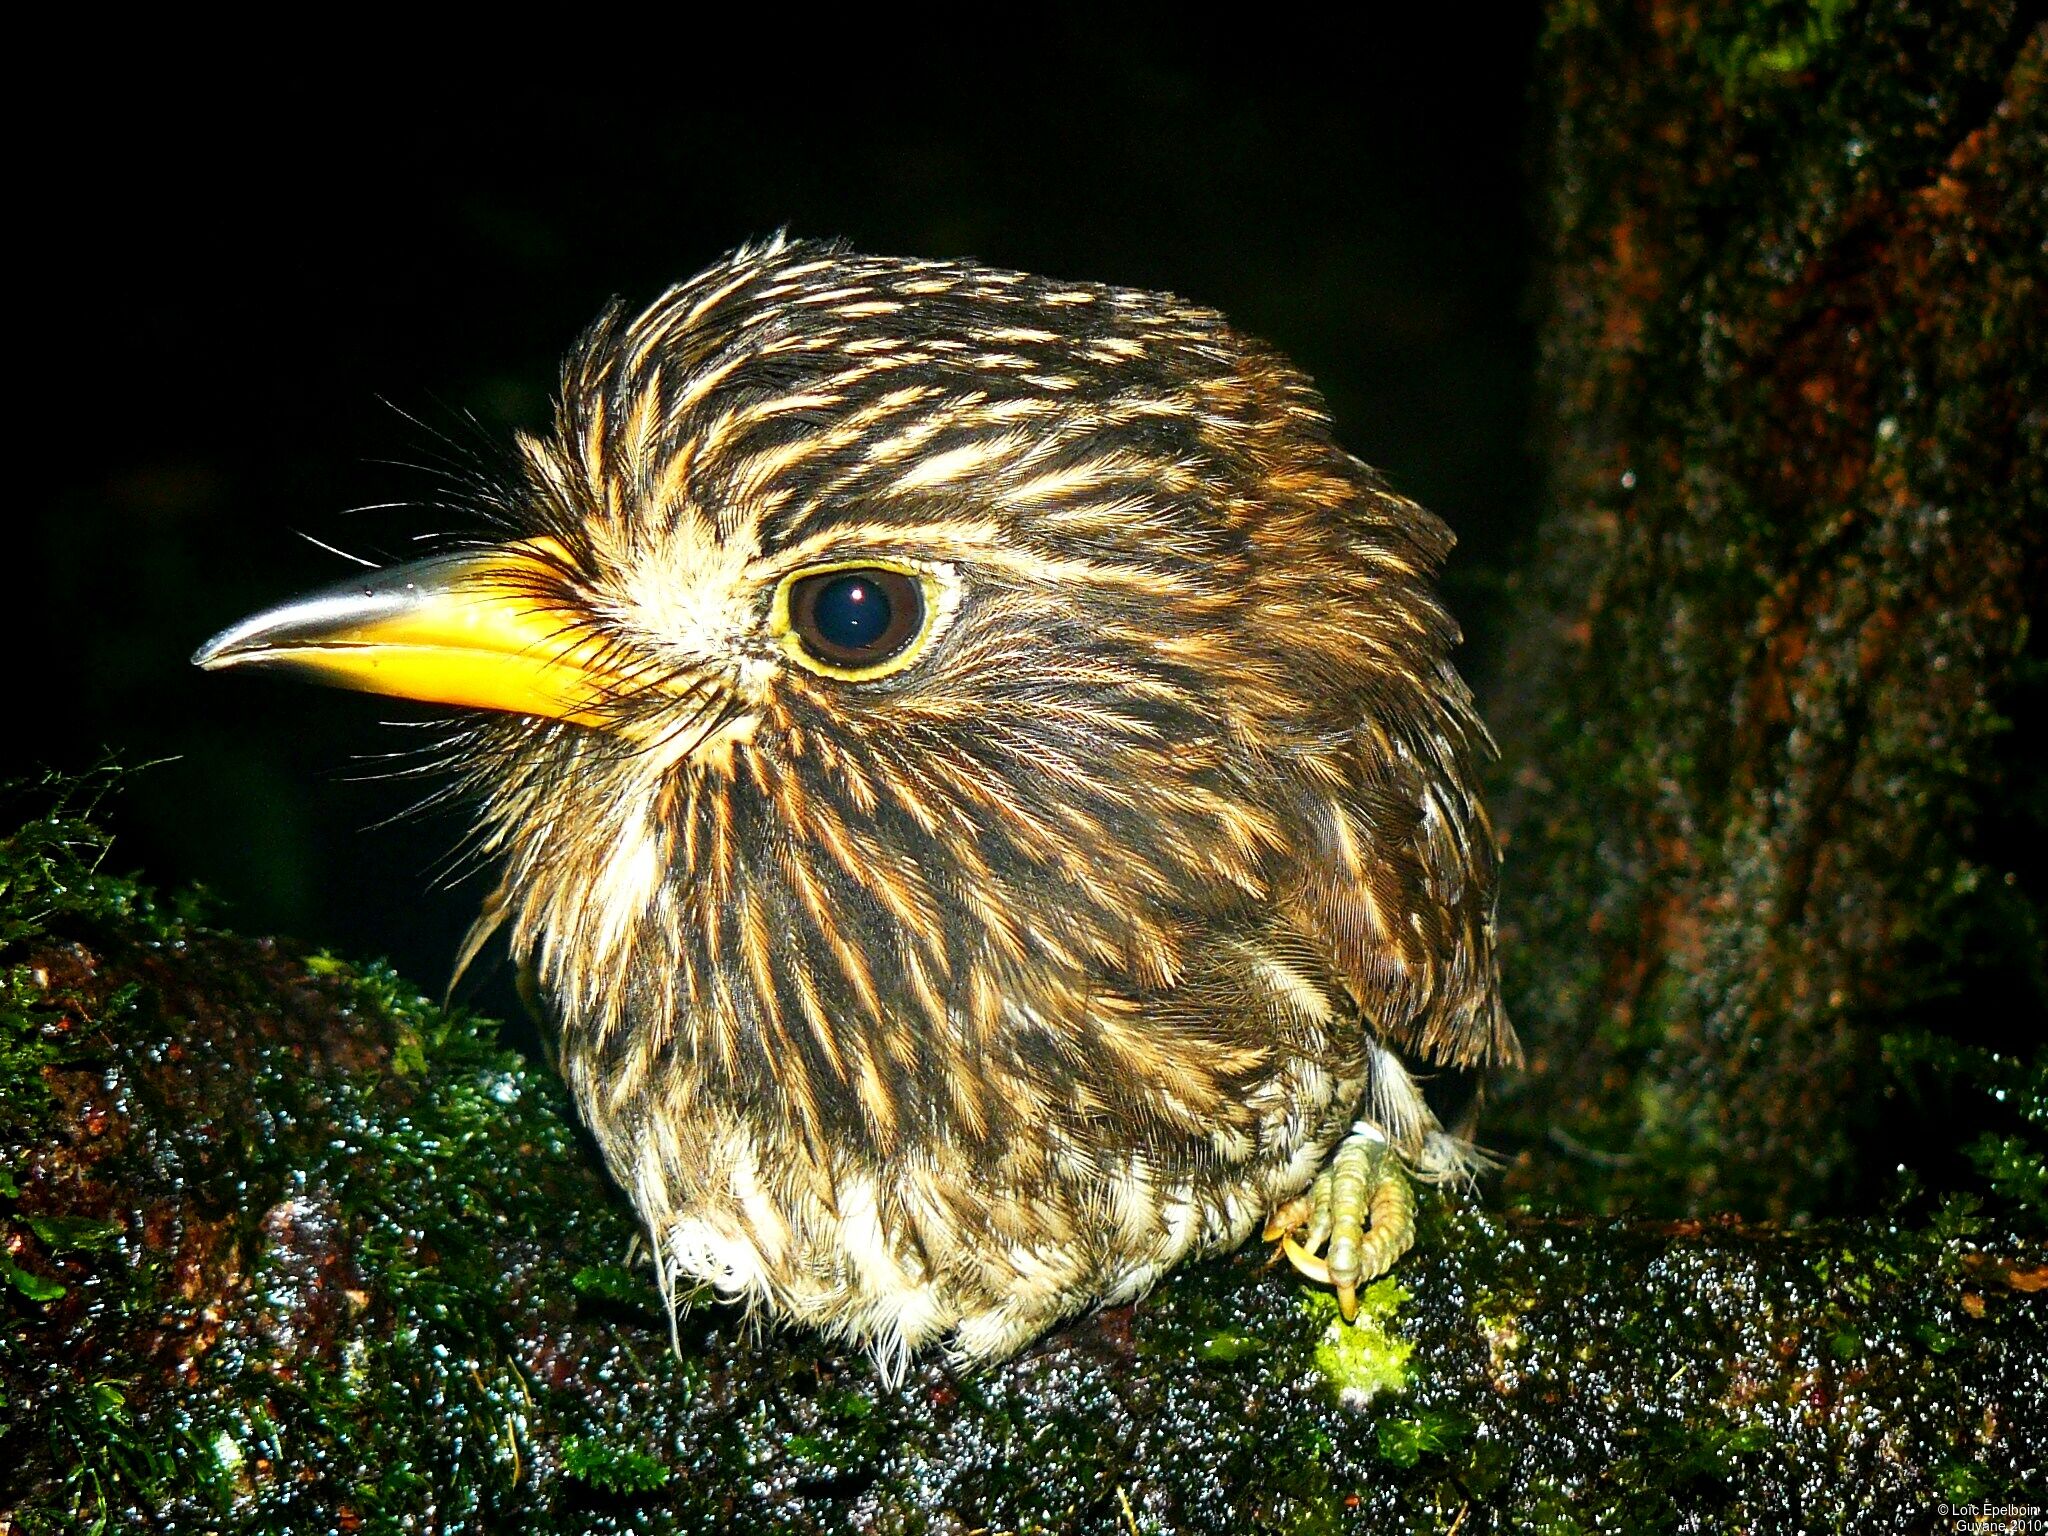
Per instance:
x=255, y=295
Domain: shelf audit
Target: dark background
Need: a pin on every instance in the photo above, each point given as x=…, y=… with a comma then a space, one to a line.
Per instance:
x=254, y=301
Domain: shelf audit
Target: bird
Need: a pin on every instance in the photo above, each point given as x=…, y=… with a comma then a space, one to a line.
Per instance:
x=980, y=782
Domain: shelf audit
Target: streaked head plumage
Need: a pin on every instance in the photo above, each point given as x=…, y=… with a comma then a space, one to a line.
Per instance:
x=1163, y=606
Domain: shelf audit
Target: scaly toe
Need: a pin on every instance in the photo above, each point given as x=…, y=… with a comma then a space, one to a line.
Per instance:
x=1363, y=1209
x=1291, y=1217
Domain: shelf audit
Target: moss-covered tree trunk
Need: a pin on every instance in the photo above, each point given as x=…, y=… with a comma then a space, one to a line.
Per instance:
x=1771, y=711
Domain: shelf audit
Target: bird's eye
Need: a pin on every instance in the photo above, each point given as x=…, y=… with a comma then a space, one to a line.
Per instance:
x=855, y=621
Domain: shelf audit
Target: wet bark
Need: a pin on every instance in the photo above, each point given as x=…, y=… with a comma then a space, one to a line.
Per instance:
x=1771, y=709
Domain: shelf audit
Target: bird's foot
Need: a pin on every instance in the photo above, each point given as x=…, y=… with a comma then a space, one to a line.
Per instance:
x=1354, y=1222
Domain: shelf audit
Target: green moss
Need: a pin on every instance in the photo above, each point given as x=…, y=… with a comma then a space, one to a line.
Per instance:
x=1406, y=1441
x=2014, y=1168
x=1363, y=1358
x=1226, y=1348
x=34, y=1287
x=74, y=1234
x=1758, y=44
x=611, y=1469
x=617, y=1284
x=1974, y=1085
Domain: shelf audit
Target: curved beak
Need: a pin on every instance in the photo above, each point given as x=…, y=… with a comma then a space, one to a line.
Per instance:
x=473, y=629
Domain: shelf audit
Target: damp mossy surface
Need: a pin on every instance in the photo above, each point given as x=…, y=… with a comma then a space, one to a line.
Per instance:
x=291, y=1249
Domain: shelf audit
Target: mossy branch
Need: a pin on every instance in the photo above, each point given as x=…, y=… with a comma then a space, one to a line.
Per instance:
x=290, y=1248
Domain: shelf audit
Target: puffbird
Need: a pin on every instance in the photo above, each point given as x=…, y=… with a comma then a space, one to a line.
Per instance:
x=980, y=784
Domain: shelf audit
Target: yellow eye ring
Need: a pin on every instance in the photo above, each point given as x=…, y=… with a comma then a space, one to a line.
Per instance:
x=831, y=619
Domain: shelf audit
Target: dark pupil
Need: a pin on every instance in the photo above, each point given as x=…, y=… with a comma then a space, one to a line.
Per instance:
x=855, y=618
x=852, y=613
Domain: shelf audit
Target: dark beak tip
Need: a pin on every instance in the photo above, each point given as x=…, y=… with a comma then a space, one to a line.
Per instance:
x=216, y=653
x=313, y=616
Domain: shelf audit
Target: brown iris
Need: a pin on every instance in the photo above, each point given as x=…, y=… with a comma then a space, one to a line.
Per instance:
x=856, y=617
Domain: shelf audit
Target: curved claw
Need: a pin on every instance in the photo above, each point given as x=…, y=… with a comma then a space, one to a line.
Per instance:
x=1305, y=1261
x=1354, y=1222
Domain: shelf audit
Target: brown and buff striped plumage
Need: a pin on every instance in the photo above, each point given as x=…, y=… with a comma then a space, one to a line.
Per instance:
x=950, y=1004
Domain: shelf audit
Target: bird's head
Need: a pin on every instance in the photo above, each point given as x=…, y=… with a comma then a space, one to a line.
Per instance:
x=891, y=662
